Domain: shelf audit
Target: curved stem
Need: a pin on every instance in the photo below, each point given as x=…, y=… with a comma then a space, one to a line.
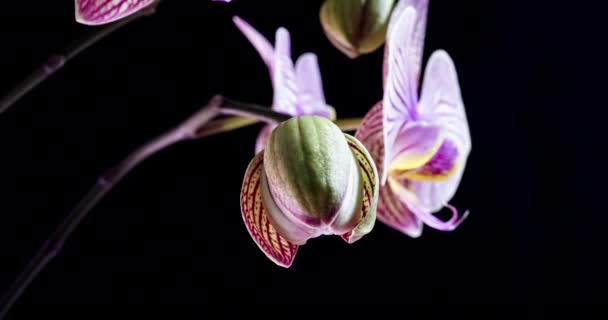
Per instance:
x=189, y=129
x=57, y=61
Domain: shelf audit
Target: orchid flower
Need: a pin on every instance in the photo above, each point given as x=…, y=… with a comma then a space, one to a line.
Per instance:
x=97, y=12
x=297, y=90
x=420, y=145
x=311, y=179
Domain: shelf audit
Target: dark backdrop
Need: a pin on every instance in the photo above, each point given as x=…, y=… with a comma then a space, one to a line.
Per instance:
x=170, y=237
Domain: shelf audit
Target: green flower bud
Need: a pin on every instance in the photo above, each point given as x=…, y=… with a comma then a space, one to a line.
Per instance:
x=356, y=27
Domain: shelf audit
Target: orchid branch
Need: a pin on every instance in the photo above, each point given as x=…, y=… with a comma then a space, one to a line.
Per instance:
x=191, y=128
x=57, y=61
x=237, y=122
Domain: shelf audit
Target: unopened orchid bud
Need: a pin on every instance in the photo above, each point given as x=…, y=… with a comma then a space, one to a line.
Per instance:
x=356, y=27
x=310, y=180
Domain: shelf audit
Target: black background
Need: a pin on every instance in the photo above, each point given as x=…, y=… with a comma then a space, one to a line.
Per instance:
x=170, y=237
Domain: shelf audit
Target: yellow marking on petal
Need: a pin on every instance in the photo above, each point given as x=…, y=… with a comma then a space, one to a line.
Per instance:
x=411, y=161
x=402, y=192
x=420, y=175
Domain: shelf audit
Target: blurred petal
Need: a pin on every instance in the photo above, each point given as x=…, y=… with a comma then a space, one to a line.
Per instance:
x=311, y=99
x=441, y=102
x=391, y=211
x=284, y=82
x=400, y=189
x=369, y=179
x=262, y=139
x=97, y=12
x=276, y=247
x=264, y=48
x=417, y=40
x=400, y=95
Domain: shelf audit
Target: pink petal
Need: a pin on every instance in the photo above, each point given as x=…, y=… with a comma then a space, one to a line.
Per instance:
x=391, y=211
x=284, y=82
x=441, y=102
x=401, y=91
x=416, y=41
x=264, y=48
x=262, y=139
x=97, y=12
x=276, y=247
x=369, y=178
x=311, y=99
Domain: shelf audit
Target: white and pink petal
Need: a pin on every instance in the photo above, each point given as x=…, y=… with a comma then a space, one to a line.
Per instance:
x=441, y=102
x=401, y=90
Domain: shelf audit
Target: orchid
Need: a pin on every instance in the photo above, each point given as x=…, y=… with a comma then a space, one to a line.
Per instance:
x=310, y=180
x=297, y=90
x=420, y=145
x=98, y=12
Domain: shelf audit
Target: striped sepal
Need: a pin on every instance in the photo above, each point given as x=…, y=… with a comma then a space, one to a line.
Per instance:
x=369, y=181
x=391, y=210
x=277, y=248
x=96, y=12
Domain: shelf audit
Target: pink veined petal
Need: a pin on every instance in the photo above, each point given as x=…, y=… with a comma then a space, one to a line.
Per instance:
x=311, y=99
x=400, y=95
x=276, y=247
x=401, y=189
x=390, y=211
x=97, y=12
x=262, y=139
x=284, y=82
x=263, y=47
x=441, y=102
x=370, y=187
x=371, y=136
x=416, y=43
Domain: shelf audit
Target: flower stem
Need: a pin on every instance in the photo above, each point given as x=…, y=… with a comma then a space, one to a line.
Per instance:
x=349, y=124
x=57, y=61
x=188, y=130
x=237, y=122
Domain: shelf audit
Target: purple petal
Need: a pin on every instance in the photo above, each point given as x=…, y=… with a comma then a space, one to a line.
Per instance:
x=97, y=12
x=401, y=189
x=284, y=75
x=391, y=211
x=442, y=166
x=370, y=182
x=400, y=95
x=311, y=99
x=276, y=247
x=416, y=144
x=416, y=41
x=441, y=102
x=263, y=47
